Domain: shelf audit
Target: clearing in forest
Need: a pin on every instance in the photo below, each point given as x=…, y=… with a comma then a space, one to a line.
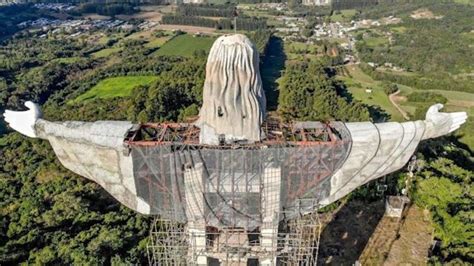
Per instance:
x=115, y=87
x=369, y=91
x=186, y=45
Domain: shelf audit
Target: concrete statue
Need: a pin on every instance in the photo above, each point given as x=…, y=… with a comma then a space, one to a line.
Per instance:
x=233, y=97
x=239, y=171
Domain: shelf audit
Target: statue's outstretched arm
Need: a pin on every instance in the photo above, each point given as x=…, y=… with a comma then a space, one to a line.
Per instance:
x=91, y=149
x=380, y=149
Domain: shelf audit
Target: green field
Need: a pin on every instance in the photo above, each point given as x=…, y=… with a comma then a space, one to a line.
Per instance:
x=185, y=45
x=358, y=82
x=157, y=42
x=106, y=52
x=301, y=51
x=67, y=60
x=466, y=2
x=376, y=41
x=344, y=16
x=115, y=87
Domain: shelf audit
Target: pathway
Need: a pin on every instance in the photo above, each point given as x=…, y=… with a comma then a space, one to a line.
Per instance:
x=392, y=100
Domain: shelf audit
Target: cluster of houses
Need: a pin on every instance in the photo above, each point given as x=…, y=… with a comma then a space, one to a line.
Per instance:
x=55, y=6
x=77, y=26
x=367, y=23
x=292, y=25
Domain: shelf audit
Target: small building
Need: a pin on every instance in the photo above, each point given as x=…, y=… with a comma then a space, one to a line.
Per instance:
x=394, y=205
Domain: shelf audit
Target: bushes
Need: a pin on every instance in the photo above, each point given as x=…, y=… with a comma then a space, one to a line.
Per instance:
x=444, y=187
x=427, y=97
x=107, y=9
x=389, y=88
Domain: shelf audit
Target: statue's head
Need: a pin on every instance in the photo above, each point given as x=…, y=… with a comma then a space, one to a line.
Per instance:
x=233, y=97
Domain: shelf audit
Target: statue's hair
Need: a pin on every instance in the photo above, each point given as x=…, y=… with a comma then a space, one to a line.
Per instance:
x=233, y=97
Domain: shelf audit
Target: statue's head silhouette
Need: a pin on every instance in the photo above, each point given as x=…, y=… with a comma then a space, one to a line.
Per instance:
x=233, y=98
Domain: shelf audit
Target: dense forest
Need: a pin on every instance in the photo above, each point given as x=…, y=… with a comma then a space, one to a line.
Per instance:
x=308, y=93
x=207, y=10
x=247, y=24
x=106, y=9
x=352, y=4
x=11, y=16
x=443, y=184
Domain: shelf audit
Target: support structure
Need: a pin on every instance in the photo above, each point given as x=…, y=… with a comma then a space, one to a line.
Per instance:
x=291, y=242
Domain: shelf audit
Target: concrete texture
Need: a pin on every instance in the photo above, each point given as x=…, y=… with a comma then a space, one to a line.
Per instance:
x=96, y=151
x=233, y=97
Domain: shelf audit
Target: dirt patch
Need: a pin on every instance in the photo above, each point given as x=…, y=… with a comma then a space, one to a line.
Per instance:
x=413, y=243
x=424, y=13
x=394, y=100
x=95, y=17
x=344, y=238
x=149, y=16
x=380, y=243
x=189, y=29
x=460, y=103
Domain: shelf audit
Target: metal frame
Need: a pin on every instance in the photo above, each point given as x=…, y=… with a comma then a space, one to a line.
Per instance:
x=274, y=132
x=297, y=243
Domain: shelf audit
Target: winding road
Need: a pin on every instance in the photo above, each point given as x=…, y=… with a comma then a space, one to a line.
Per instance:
x=400, y=110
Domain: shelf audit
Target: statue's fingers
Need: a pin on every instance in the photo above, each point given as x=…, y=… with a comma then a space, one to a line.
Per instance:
x=458, y=117
x=7, y=116
x=459, y=121
x=453, y=128
x=458, y=114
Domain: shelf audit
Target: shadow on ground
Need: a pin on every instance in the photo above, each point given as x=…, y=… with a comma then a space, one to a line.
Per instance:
x=345, y=237
x=271, y=67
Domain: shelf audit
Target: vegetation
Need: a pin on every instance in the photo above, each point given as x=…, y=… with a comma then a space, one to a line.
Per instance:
x=444, y=185
x=307, y=92
x=247, y=24
x=186, y=45
x=115, y=87
x=207, y=10
x=424, y=47
x=50, y=216
x=11, y=16
x=348, y=4
x=423, y=97
x=107, y=9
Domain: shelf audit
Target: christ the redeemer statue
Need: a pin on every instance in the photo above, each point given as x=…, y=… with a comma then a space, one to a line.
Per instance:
x=238, y=172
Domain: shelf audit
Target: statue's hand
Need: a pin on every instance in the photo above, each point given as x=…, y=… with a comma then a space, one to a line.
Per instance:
x=439, y=124
x=24, y=122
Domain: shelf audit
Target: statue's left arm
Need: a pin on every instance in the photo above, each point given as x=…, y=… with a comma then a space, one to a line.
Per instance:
x=380, y=149
x=94, y=150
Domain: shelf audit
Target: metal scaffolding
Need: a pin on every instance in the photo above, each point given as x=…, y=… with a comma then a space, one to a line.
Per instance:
x=236, y=203
x=297, y=243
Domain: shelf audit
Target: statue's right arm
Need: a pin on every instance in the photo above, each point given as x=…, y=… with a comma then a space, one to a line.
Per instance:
x=93, y=150
x=382, y=148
